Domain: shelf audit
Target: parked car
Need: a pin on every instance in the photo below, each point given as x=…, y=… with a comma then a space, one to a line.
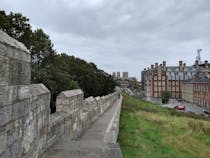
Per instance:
x=179, y=107
x=207, y=113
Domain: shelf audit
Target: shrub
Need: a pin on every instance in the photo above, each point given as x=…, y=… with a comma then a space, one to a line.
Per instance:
x=165, y=96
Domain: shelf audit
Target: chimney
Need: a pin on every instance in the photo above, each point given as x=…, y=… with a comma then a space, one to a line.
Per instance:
x=180, y=65
x=197, y=64
x=156, y=65
x=145, y=69
x=184, y=65
x=206, y=64
x=161, y=65
x=152, y=66
x=164, y=63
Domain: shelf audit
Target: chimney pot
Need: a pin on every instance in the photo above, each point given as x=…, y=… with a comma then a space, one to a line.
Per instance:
x=164, y=63
x=197, y=64
x=156, y=65
x=206, y=64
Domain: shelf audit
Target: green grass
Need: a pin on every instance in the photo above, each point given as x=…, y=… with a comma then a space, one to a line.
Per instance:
x=150, y=131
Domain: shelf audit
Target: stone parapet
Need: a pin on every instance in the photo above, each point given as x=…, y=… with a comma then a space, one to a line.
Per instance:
x=69, y=101
x=75, y=114
x=15, y=61
x=24, y=121
x=24, y=107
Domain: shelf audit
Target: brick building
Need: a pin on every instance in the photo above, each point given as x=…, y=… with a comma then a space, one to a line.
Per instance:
x=197, y=91
x=160, y=77
x=187, y=91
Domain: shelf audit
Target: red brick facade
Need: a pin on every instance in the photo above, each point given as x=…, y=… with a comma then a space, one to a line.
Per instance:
x=201, y=94
x=158, y=84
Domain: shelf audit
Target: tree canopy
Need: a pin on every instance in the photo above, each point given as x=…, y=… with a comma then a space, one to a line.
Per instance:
x=57, y=71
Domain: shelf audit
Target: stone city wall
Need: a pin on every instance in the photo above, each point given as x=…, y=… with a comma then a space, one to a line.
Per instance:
x=75, y=114
x=26, y=127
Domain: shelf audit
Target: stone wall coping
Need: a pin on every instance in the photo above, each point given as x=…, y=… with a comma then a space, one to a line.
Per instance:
x=57, y=117
x=98, y=98
x=90, y=99
x=6, y=39
x=28, y=91
x=71, y=93
x=103, y=97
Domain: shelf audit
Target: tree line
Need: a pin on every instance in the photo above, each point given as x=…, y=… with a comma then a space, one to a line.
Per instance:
x=57, y=71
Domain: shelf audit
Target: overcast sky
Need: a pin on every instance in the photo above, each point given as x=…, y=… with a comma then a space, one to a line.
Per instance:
x=122, y=35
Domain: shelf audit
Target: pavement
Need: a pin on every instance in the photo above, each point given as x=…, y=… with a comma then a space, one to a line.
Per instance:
x=189, y=107
x=89, y=145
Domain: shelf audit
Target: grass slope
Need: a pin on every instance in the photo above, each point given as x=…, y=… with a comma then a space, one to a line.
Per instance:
x=151, y=131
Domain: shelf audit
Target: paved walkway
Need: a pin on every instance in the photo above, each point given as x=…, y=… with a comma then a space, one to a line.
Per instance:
x=90, y=143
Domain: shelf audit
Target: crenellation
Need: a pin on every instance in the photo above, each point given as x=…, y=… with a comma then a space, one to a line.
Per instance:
x=6, y=40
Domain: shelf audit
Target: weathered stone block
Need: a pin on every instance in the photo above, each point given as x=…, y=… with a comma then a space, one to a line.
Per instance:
x=9, y=41
x=69, y=101
x=3, y=139
x=4, y=69
x=3, y=49
x=8, y=95
x=17, y=54
x=24, y=73
x=14, y=133
x=112, y=150
x=7, y=153
x=19, y=110
x=28, y=137
x=16, y=149
x=13, y=69
x=20, y=72
x=5, y=114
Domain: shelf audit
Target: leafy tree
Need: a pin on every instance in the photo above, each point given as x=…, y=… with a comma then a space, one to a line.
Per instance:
x=41, y=49
x=17, y=26
x=165, y=96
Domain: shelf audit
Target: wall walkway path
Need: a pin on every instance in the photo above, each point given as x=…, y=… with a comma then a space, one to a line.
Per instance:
x=93, y=143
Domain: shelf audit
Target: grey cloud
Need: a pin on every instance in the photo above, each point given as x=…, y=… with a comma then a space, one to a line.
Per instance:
x=122, y=35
